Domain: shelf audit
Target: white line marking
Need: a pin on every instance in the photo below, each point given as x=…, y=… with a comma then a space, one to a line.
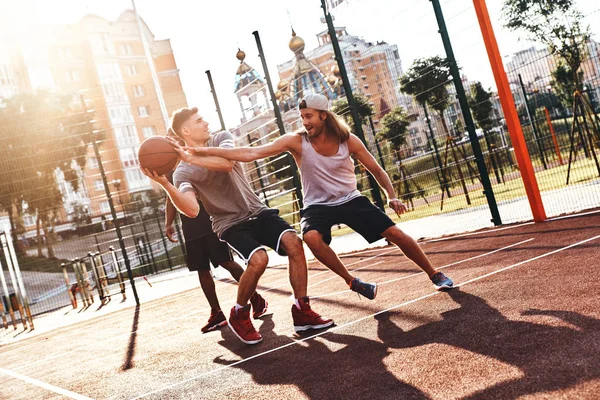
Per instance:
x=478, y=232
x=421, y=273
x=530, y=260
x=460, y=262
x=335, y=328
x=45, y=385
x=573, y=215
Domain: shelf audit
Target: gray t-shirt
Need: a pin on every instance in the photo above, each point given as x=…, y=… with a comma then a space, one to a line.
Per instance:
x=227, y=196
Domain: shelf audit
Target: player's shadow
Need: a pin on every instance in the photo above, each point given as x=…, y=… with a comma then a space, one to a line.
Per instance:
x=349, y=367
x=549, y=357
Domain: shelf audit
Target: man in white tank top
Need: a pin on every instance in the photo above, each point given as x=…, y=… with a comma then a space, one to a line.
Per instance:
x=323, y=153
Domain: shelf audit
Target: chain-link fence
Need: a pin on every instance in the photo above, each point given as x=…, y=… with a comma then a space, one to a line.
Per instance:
x=85, y=222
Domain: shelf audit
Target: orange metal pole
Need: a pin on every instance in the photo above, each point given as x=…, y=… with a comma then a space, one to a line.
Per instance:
x=556, y=148
x=510, y=112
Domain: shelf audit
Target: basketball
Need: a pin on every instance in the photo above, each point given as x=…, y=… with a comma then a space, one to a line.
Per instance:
x=158, y=154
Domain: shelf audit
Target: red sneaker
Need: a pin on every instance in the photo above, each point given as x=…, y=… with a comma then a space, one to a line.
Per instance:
x=259, y=305
x=305, y=318
x=216, y=320
x=241, y=326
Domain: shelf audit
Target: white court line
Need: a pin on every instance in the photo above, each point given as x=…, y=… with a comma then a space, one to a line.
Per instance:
x=44, y=385
x=422, y=272
x=185, y=316
x=573, y=215
x=336, y=328
x=478, y=232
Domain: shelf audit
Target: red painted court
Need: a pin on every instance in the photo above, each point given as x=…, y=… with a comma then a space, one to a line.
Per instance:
x=523, y=322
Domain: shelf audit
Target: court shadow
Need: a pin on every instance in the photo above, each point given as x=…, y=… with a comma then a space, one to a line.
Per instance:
x=128, y=363
x=549, y=357
x=332, y=366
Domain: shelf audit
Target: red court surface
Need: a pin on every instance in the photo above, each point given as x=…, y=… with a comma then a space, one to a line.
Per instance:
x=524, y=322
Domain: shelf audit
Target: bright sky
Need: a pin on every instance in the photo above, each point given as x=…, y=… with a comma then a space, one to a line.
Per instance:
x=206, y=34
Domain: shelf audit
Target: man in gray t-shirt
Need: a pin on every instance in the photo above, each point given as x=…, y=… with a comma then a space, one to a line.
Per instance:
x=238, y=217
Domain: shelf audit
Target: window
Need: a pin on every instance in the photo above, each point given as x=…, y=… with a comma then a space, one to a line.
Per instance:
x=98, y=185
x=137, y=180
x=126, y=136
x=65, y=53
x=7, y=76
x=92, y=163
x=148, y=131
x=132, y=70
x=138, y=90
x=120, y=115
x=104, y=207
x=114, y=92
x=126, y=49
x=144, y=111
x=109, y=72
x=72, y=76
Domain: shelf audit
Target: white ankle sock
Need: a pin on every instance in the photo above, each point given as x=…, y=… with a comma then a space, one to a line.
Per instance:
x=237, y=306
x=297, y=303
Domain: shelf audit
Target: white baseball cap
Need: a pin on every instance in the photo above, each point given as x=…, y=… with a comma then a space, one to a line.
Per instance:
x=315, y=101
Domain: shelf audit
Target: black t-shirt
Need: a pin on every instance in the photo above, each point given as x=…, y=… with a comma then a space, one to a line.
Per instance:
x=194, y=228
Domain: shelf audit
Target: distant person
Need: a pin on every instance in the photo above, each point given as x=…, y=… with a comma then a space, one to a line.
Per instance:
x=203, y=247
x=323, y=152
x=238, y=218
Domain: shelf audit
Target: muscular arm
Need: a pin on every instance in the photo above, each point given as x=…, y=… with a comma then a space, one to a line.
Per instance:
x=214, y=163
x=358, y=149
x=169, y=212
x=289, y=142
x=185, y=202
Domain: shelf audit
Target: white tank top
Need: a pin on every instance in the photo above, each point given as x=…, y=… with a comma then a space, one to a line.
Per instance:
x=327, y=180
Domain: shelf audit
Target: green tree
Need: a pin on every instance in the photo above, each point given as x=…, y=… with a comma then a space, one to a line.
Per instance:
x=363, y=107
x=557, y=24
x=394, y=126
x=564, y=85
x=42, y=139
x=426, y=81
x=481, y=105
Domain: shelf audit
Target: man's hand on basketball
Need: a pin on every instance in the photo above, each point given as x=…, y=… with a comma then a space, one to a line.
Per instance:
x=184, y=154
x=170, y=232
x=397, y=206
x=160, y=179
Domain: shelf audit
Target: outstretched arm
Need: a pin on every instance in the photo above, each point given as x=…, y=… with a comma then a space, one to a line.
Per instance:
x=185, y=202
x=358, y=150
x=284, y=143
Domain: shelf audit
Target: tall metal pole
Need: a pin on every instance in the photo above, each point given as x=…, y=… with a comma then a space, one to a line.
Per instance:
x=510, y=112
x=113, y=213
x=464, y=105
x=279, y=119
x=215, y=98
x=351, y=102
x=150, y=61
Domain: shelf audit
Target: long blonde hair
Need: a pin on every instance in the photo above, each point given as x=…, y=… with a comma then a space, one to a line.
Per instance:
x=334, y=124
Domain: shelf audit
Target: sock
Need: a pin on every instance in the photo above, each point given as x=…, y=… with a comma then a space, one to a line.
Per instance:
x=237, y=306
x=297, y=303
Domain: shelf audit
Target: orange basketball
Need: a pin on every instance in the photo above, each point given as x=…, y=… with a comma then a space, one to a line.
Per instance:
x=158, y=154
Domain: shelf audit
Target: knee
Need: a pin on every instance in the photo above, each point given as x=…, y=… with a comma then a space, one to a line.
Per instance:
x=292, y=245
x=258, y=262
x=313, y=239
x=394, y=235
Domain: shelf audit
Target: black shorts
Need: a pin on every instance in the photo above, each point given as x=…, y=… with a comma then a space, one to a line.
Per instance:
x=204, y=250
x=359, y=214
x=267, y=228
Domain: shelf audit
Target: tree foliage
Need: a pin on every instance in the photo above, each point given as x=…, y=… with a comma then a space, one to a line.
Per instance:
x=557, y=24
x=394, y=126
x=426, y=81
x=363, y=107
x=41, y=139
x=481, y=105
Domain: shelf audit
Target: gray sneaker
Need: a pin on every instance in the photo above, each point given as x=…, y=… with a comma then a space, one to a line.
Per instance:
x=369, y=290
x=441, y=281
